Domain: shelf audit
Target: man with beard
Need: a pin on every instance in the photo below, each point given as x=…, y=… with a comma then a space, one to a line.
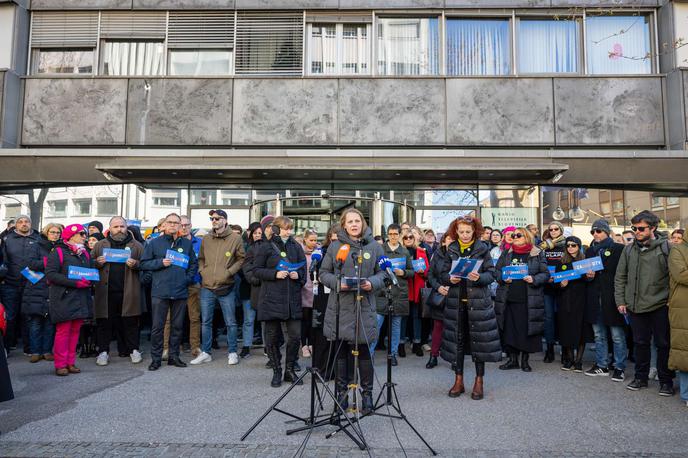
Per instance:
x=118, y=294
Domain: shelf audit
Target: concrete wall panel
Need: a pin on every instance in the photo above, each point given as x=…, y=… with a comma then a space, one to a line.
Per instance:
x=286, y=4
x=179, y=112
x=74, y=111
x=487, y=111
x=184, y=4
x=383, y=4
x=609, y=111
x=81, y=4
x=605, y=3
x=676, y=114
x=392, y=111
x=285, y=112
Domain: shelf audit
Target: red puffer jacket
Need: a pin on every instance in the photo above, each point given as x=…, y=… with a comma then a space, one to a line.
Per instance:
x=3, y=320
x=417, y=282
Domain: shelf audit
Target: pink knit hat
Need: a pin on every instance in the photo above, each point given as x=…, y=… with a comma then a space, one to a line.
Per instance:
x=71, y=229
x=508, y=229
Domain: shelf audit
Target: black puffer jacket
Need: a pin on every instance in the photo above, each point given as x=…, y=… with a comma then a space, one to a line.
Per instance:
x=399, y=294
x=67, y=302
x=537, y=268
x=482, y=323
x=279, y=299
x=16, y=254
x=600, y=292
x=35, y=297
x=435, y=278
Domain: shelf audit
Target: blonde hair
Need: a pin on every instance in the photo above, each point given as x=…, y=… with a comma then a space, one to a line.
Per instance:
x=49, y=226
x=405, y=232
x=308, y=232
x=283, y=222
x=342, y=219
x=526, y=234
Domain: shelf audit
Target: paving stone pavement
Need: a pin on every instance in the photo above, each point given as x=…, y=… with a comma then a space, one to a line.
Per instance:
x=124, y=410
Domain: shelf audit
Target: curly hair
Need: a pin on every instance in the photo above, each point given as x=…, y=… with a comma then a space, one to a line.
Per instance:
x=472, y=221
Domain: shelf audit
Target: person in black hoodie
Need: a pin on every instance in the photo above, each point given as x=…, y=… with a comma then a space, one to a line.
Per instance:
x=35, y=303
x=280, y=295
x=553, y=247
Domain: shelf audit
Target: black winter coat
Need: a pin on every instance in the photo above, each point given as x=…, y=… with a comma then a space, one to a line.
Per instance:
x=279, y=299
x=247, y=268
x=67, y=302
x=600, y=291
x=435, y=279
x=35, y=297
x=399, y=294
x=16, y=254
x=320, y=299
x=484, y=339
x=169, y=282
x=537, y=268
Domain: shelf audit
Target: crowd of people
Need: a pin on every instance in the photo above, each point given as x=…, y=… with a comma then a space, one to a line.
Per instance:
x=498, y=295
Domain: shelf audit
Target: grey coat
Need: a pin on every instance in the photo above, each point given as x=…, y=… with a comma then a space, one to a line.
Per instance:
x=329, y=272
x=400, y=294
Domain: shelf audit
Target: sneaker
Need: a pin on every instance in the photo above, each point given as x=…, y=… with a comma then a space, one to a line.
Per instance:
x=653, y=374
x=165, y=355
x=306, y=352
x=636, y=385
x=232, y=359
x=103, y=359
x=136, y=357
x=35, y=358
x=568, y=365
x=597, y=371
x=666, y=390
x=202, y=358
x=245, y=352
x=578, y=367
x=618, y=375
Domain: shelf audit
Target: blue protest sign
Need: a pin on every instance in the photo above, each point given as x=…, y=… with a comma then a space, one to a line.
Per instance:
x=558, y=277
x=154, y=235
x=178, y=259
x=398, y=263
x=290, y=266
x=552, y=269
x=419, y=265
x=77, y=273
x=464, y=266
x=586, y=265
x=117, y=256
x=514, y=272
x=351, y=283
x=33, y=277
x=134, y=222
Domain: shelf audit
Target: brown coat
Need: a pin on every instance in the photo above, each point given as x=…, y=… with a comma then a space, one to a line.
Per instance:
x=131, y=305
x=220, y=259
x=678, y=306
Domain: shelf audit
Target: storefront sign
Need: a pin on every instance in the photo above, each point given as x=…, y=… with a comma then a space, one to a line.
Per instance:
x=499, y=218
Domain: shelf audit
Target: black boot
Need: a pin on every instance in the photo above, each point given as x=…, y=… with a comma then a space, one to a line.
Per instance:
x=549, y=354
x=417, y=349
x=290, y=375
x=291, y=366
x=401, y=350
x=273, y=352
x=525, y=367
x=366, y=371
x=432, y=362
x=342, y=385
x=512, y=362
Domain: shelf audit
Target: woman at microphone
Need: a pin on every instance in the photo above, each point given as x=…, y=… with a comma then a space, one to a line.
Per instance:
x=354, y=242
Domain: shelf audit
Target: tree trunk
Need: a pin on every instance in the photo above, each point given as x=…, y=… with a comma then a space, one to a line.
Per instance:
x=36, y=207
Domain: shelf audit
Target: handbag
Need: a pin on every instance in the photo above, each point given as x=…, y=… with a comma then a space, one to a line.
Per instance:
x=430, y=298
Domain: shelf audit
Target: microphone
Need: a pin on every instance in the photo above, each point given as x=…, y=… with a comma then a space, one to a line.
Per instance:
x=342, y=253
x=316, y=257
x=386, y=265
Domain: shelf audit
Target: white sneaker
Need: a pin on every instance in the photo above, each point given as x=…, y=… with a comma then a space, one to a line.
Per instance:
x=202, y=358
x=653, y=374
x=103, y=359
x=165, y=355
x=306, y=352
x=232, y=359
x=135, y=357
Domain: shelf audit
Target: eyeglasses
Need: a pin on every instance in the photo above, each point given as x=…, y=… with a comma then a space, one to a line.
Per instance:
x=409, y=237
x=554, y=229
x=173, y=223
x=518, y=236
x=54, y=232
x=596, y=231
x=216, y=218
x=639, y=228
x=571, y=245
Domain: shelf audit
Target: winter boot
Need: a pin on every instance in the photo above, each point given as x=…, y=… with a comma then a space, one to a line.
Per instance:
x=477, y=393
x=549, y=354
x=366, y=371
x=525, y=367
x=512, y=362
x=458, y=389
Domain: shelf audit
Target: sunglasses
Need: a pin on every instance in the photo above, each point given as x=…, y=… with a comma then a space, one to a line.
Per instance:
x=82, y=233
x=596, y=231
x=639, y=228
x=518, y=236
x=409, y=237
x=554, y=229
x=216, y=218
x=571, y=245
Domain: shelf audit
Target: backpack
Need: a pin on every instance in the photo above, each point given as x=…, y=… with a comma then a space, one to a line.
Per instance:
x=664, y=247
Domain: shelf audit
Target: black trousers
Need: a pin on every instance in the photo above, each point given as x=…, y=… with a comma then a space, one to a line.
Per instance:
x=645, y=326
x=463, y=335
x=345, y=366
x=307, y=326
x=177, y=310
x=323, y=353
x=273, y=331
x=124, y=329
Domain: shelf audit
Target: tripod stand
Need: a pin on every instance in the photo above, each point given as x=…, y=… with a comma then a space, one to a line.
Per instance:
x=388, y=393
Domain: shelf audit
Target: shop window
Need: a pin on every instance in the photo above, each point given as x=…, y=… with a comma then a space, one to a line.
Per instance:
x=478, y=47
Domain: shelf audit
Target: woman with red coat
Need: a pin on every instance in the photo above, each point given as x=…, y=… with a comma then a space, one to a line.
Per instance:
x=421, y=266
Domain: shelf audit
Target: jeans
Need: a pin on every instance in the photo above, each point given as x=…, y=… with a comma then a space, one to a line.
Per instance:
x=683, y=380
x=396, y=333
x=10, y=296
x=249, y=319
x=550, y=318
x=41, y=334
x=602, y=347
x=645, y=326
x=228, y=306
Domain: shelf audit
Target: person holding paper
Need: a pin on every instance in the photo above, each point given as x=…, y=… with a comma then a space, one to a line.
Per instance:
x=118, y=294
x=470, y=324
x=354, y=242
x=281, y=267
x=600, y=308
x=435, y=282
x=553, y=247
x=416, y=282
x=172, y=262
x=35, y=303
x=520, y=304
x=574, y=332
x=403, y=270
x=70, y=300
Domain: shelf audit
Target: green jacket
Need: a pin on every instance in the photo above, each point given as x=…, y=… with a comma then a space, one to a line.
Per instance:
x=678, y=306
x=642, y=277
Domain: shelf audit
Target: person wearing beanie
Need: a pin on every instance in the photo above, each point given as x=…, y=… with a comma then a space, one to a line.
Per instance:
x=600, y=306
x=70, y=300
x=573, y=330
x=95, y=226
x=553, y=247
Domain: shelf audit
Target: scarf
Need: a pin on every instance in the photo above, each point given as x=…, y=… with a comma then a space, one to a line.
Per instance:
x=522, y=249
x=77, y=248
x=551, y=243
x=465, y=246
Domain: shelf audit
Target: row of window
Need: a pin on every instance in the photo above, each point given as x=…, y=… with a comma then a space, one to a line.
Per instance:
x=199, y=44
x=80, y=207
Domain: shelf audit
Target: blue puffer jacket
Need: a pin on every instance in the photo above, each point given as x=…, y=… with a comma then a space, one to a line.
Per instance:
x=169, y=282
